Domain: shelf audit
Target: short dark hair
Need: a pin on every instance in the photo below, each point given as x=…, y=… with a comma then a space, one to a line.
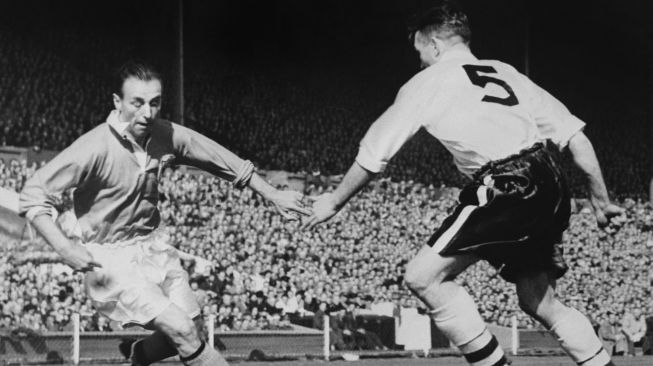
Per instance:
x=445, y=17
x=138, y=69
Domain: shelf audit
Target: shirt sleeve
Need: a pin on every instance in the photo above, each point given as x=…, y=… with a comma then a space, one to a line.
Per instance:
x=201, y=152
x=554, y=121
x=44, y=189
x=392, y=130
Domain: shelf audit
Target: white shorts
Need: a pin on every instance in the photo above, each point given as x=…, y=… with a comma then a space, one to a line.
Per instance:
x=139, y=279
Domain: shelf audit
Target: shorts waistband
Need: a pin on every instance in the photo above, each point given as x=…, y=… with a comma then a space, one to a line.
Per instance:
x=492, y=165
x=131, y=241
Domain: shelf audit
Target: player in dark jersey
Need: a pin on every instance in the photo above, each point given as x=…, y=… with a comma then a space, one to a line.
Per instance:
x=134, y=275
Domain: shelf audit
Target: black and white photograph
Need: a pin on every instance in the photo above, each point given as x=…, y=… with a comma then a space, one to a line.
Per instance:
x=305, y=183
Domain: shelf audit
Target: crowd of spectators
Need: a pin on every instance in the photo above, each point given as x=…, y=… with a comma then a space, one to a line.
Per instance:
x=254, y=270
x=286, y=117
x=14, y=173
x=45, y=102
x=621, y=336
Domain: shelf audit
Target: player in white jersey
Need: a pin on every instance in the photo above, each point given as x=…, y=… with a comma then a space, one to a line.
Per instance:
x=503, y=132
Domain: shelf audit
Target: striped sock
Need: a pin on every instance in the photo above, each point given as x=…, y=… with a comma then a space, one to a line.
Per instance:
x=204, y=356
x=152, y=349
x=577, y=338
x=484, y=350
x=601, y=358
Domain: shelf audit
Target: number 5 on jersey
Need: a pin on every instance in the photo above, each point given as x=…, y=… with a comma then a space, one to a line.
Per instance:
x=473, y=72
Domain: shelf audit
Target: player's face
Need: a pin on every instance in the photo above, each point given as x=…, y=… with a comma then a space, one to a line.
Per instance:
x=427, y=49
x=139, y=105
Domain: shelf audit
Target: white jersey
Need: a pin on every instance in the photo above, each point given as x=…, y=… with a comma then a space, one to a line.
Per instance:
x=480, y=110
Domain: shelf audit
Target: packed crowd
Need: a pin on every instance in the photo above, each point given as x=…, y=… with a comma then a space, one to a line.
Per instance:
x=14, y=173
x=45, y=102
x=286, y=117
x=254, y=270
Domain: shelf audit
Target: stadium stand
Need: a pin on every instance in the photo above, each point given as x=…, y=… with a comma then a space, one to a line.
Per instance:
x=255, y=271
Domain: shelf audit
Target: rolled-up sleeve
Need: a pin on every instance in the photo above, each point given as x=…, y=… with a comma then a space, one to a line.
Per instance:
x=390, y=132
x=201, y=152
x=553, y=119
x=45, y=187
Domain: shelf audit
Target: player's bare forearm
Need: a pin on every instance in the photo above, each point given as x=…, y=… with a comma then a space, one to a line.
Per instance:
x=260, y=186
x=52, y=234
x=284, y=201
x=327, y=205
x=356, y=178
x=585, y=158
x=72, y=253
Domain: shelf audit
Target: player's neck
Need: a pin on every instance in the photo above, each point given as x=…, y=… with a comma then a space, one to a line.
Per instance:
x=458, y=47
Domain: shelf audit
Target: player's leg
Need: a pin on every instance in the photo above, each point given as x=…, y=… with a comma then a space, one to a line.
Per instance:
x=177, y=288
x=430, y=276
x=130, y=294
x=155, y=347
x=146, y=351
x=536, y=292
x=122, y=293
x=159, y=345
x=182, y=332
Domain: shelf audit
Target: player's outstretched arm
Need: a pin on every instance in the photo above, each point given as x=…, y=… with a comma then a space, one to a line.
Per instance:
x=328, y=204
x=585, y=158
x=285, y=201
x=73, y=254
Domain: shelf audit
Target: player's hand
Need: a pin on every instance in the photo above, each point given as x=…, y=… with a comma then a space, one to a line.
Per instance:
x=289, y=202
x=79, y=258
x=324, y=208
x=604, y=211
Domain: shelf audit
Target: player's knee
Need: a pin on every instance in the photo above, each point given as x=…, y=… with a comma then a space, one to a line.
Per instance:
x=418, y=280
x=528, y=306
x=539, y=308
x=184, y=330
x=413, y=279
x=179, y=327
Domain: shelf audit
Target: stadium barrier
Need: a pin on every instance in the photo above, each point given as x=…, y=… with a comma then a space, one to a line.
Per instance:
x=326, y=344
x=72, y=347
x=510, y=338
x=28, y=346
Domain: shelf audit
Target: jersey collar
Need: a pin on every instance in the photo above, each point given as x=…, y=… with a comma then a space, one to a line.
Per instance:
x=119, y=126
x=457, y=53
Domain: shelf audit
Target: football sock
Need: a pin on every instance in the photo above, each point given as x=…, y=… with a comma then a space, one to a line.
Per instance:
x=204, y=356
x=153, y=348
x=456, y=315
x=484, y=350
x=458, y=319
x=577, y=338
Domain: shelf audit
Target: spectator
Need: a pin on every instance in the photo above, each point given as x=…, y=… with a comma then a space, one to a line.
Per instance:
x=366, y=256
x=612, y=337
x=647, y=343
x=200, y=295
x=634, y=327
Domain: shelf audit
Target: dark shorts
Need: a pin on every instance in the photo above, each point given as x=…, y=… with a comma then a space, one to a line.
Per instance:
x=512, y=214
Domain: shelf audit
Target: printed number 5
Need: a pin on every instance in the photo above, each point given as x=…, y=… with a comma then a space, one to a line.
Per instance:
x=482, y=80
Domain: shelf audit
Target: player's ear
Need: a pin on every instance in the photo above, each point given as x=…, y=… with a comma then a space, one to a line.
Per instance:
x=436, y=45
x=117, y=101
